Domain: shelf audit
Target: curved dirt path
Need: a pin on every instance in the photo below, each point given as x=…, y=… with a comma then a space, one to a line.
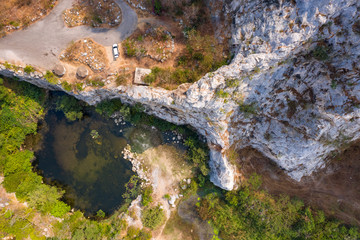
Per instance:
x=41, y=43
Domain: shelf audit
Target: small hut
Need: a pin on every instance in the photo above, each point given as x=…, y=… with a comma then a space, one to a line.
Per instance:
x=82, y=72
x=59, y=70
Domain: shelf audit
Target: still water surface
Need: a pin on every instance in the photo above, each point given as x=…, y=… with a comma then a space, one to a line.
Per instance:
x=92, y=169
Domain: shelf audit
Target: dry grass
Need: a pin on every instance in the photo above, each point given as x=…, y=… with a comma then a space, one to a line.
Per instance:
x=154, y=42
x=16, y=14
x=88, y=52
x=98, y=13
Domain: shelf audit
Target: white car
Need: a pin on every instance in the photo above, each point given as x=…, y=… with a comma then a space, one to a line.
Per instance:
x=115, y=51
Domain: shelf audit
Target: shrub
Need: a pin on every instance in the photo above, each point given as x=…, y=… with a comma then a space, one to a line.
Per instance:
x=167, y=196
x=108, y=107
x=146, y=196
x=14, y=23
x=66, y=86
x=150, y=78
x=137, y=234
x=121, y=79
x=248, y=109
x=197, y=155
x=94, y=82
x=157, y=7
x=100, y=214
x=320, y=53
x=132, y=189
x=29, y=69
x=153, y=217
x=79, y=86
x=232, y=82
x=129, y=48
x=59, y=209
x=51, y=78
x=70, y=107
x=221, y=93
x=8, y=65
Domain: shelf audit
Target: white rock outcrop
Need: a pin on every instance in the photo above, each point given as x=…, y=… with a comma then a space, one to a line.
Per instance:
x=293, y=86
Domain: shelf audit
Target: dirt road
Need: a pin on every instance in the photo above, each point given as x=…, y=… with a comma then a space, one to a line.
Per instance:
x=41, y=43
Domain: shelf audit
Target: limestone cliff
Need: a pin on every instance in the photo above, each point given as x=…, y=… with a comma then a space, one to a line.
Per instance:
x=292, y=90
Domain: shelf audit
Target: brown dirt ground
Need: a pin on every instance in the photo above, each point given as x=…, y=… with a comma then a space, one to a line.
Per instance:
x=88, y=52
x=334, y=189
x=87, y=12
x=16, y=14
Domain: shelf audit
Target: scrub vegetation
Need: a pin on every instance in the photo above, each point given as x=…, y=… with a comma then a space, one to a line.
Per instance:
x=251, y=213
x=201, y=55
x=72, y=109
x=21, y=108
x=16, y=14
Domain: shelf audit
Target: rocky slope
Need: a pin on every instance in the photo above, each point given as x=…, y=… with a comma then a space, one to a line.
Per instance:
x=292, y=90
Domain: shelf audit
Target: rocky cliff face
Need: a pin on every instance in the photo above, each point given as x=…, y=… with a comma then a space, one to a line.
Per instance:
x=292, y=90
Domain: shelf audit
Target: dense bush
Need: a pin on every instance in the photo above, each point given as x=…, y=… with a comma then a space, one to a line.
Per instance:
x=146, y=196
x=198, y=155
x=109, y=107
x=29, y=69
x=320, y=53
x=21, y=106
x=248, y=109
x=51, y=78
x=137, y=234
x=71, y=107
x=132, y=189
x=66, y=86
x=152, y=217
x=249, y=213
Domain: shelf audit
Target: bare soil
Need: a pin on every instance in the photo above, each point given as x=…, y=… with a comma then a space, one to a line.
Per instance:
x=17, y=14
x=98, y=13
x=334, y=189
x=87, y=52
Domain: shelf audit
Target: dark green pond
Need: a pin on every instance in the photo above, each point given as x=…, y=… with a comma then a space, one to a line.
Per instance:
x=91, y=169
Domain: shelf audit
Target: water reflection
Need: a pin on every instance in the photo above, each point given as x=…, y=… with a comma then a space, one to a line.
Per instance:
x=85, y=157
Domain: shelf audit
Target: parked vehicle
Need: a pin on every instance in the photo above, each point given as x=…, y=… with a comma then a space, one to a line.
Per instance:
x=115, y=51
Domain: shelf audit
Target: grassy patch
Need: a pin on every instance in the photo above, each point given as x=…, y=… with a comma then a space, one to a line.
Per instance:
x=221, y=93
x=29, y=69
x=153, y=217
x=248, y=109
x=51, y=78
x=21, y=106
x=122, y=78
x=66, y=86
